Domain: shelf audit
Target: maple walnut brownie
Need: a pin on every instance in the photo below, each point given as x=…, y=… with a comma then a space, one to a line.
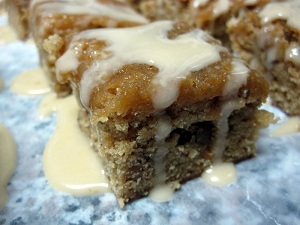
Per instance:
x=268, y=38
x=53, y=23
x=163, y=102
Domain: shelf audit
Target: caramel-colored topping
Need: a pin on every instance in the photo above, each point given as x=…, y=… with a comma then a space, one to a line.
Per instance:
x=126, y=87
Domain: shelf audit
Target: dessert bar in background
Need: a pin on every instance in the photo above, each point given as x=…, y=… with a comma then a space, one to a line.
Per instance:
x=164, y=102
x=53, y=23
x=268, y=38
x=208, y=15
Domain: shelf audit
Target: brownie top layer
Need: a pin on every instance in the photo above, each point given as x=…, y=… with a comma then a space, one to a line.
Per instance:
x=149, y=68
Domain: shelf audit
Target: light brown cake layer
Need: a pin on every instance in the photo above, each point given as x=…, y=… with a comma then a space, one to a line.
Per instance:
x=129, y=150
x=126, y=128
x=271, y=48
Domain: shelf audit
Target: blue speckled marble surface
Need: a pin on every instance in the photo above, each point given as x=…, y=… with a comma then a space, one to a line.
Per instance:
x=267, y=190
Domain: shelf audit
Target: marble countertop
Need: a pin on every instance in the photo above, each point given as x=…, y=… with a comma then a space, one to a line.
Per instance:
x=266, y=192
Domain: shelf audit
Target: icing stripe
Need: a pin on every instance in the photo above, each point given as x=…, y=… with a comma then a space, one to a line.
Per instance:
x=186, y=53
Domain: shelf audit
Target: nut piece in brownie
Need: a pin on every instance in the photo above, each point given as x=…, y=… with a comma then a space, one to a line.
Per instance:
x=53, y=23
x=268, y=38
x=164, y=102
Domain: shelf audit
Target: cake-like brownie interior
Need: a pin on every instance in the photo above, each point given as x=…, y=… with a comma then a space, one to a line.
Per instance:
x=152, y=129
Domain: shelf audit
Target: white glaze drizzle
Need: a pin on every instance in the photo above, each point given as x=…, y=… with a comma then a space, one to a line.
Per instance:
x=48, y=105
x=199, y=3
x=288, y=10
x=222, y=173
x=292, y=53
x=250, y=2
x=221, y=7
x=161, y=191
x=7, y=34
x=222, y=126
x=30, y=82
x=289, y=126
x=238, y=77
x=8, y=162
x=144, y=44
x=264, y=37
x=164, y=128
x=70, y=163
x=66, y=63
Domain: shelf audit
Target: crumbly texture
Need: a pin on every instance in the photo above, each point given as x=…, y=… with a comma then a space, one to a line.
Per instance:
x=263, y=46
x=128, y=147
x=18, y=16
x=123, y=123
